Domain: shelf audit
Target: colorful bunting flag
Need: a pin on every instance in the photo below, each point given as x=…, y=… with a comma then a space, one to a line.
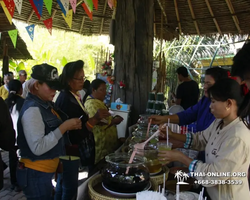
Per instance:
x=39, y=6
x=90, y=14
x=73, y=5
x=6, y=12
x=18, y=4
x=68, y=18
x=64, y=5
x=95, y=2
x=30, y=29
x=89, y=4
x=35, y=9
x=48, y=4
x=112, y=3
x=13, y=36
x=10, y=5
x=48, y=24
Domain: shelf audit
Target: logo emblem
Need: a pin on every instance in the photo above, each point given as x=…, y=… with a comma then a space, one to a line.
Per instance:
x=54, y=74
x=181, y=176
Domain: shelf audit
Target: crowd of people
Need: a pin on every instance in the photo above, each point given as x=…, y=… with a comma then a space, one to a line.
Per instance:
x=47, y=136
x=222, y=119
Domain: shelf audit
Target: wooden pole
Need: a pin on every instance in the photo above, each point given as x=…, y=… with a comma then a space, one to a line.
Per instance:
x=134, y=53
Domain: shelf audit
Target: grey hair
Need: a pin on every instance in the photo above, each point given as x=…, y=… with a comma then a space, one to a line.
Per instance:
x=22, y=72
x=30, y=83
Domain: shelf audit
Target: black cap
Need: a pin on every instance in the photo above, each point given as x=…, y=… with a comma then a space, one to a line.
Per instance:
x=47, y=74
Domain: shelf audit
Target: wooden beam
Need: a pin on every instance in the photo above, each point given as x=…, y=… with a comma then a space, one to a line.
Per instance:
x=79, y=2
x=54, y=11
x=193, y=16
x=83, y=19
x=32, y=12
x=163, y=10
x=53, y=14
x=177, y=15
x=235, y=18
x=103, y=13
x=214, y=19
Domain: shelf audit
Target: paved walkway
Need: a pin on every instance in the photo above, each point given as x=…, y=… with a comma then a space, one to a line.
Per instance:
x=7, y=194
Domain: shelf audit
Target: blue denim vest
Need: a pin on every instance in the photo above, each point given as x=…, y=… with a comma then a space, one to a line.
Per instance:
x=50, y=121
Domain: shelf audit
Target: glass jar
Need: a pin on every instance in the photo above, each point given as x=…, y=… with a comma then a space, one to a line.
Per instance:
x=150, y=152
x=120, y=176
x=143, y=120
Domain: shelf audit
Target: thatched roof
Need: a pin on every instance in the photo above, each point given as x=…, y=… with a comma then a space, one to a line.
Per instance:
x=201, y=17
x=81, y=22
x=21, y=51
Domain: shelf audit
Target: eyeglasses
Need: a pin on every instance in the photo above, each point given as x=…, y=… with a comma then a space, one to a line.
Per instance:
x=80, y=79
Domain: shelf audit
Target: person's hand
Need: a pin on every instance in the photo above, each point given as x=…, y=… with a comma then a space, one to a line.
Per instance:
x=117, y=120
x=156, y=119
x=72, y=124
x=101, y=113
x=167, y=156
x=163, y=131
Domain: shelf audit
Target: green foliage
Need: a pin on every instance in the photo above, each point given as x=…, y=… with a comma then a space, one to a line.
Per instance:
x=60, y=48
x=64, y=61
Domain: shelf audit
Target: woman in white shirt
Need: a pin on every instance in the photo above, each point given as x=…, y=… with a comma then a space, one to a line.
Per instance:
x=226, y=143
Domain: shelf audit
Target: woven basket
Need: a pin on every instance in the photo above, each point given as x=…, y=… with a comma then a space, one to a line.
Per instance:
x=158, y=179
x=94, y=195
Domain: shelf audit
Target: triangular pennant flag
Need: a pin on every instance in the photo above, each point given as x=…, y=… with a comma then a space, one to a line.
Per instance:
x=87, y=11
x=35, y=9
x=39, y=6
x=73, y=5
x=95, y=2
x=6, y=12
x=89, y=4
x=48, y=4
x=112, y=3
x=68, y=18
x=48, y=24
x=18, y=4
x=13, y=36
x=30, y=29
x=10, y=5
x=64, y=5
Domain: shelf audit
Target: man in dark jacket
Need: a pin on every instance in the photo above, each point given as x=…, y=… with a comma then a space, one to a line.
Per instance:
x=7, y=134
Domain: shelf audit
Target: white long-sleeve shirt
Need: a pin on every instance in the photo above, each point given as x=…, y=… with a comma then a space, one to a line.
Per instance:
x=227, y=150
x=34, y=132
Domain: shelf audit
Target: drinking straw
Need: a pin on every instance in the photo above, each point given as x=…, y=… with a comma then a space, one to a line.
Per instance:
x=202, y=191
x=200, y=196
x=167, y=133
x=162, y=191
x=168, y=121
x=177, y=192
x=131, y=159
x=149, y=124
x=205, y=198
x=164, y=184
